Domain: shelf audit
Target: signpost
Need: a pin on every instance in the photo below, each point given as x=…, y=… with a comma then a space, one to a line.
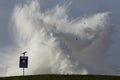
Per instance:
x=23, y=63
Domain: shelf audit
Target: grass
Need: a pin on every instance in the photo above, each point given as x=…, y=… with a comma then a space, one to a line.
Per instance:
x=62, y=77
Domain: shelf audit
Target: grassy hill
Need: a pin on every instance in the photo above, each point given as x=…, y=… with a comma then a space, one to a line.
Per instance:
x=62, y=77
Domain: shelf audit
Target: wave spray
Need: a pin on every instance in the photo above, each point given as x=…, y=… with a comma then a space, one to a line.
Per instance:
x=56, y=44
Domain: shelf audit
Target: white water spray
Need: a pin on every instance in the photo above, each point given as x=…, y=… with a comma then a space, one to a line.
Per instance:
x=57, y=45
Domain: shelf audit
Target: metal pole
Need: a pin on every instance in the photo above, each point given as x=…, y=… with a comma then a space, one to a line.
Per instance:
x=24, y=68
x=23, y=71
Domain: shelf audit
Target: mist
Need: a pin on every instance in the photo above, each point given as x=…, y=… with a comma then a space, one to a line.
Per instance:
x=57, y=44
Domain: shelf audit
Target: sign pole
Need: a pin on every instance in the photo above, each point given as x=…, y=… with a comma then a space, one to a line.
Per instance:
x=23, y=72
x=23, y=67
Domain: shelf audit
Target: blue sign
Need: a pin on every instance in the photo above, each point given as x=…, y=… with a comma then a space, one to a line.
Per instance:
x=23, y=62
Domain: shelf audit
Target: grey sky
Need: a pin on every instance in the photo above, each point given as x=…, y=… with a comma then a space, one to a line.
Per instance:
x=78, y=8
x=5, y=12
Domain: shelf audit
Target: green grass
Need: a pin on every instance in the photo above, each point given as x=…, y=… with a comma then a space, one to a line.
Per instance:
x=62, y=77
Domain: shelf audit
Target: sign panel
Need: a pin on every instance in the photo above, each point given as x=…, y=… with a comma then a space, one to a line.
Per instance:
x=23, y=62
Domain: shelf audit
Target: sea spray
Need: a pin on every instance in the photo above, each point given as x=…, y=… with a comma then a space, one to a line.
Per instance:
x=57, y=45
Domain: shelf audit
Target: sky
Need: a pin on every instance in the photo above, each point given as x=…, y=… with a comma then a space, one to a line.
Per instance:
x=77, y=9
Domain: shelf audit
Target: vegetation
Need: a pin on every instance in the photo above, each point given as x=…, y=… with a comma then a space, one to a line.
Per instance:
x=62, y=77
